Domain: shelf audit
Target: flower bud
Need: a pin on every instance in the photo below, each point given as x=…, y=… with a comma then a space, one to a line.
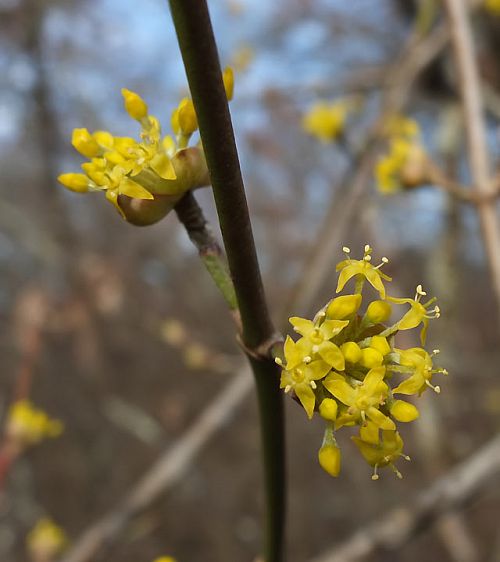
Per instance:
x=329, y=459
x=380, y=344
x=370, y=358
x=378, y=311
x=75, y=182
x=135, y=106
x=351, y=351
x=184, y=120
x=404, y=411
x=344, y=306
x=328, y=409
x=84, y=142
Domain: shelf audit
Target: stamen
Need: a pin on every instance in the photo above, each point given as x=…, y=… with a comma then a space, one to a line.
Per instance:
x=367, y=248
x=278, y=361
x=436, y=389
x=375, y=475
x=346, y=250
x=406, y=457
x=288, y=387
x=368, y=258
x=313, y=385
x=321, y=314
x=315, y=348
x=307, y=359
x=436, y=351
x=385, y=260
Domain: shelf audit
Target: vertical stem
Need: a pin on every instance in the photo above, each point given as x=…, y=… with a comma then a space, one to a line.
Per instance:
x=463, y=47
x=201, y=60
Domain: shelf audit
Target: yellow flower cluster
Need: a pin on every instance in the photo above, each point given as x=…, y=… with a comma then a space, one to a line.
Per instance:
x=326, y=120
x=27, y=425
x=154, y=168
x=492, y=6
x=404, y=166
x=46, y=540
x=346, y=367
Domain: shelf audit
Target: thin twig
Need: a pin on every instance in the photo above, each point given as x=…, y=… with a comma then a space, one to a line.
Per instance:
x=191, y=216
x=166, y=471
x=463, y=47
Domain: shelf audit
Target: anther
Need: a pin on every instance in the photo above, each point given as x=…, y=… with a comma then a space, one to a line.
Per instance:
x=313, y=385
x=385, y=260
x=367, y=248
x=287, y=388
x=346, y=250
x=367, y=257
x=278, y=361
x=307, y=359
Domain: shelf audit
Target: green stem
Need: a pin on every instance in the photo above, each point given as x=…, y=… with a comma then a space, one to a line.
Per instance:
x=201, y=60
x=191, y=216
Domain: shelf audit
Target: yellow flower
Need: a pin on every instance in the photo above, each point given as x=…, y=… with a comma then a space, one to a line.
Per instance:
x=316, y=339
x=385, y=453
x=46, y=540
x=165, y=559
x=419, y=363
x=418, y=314
x=326, y=120
x=27, y=425
x=363, y=269
x=363, y=399
x=300, y=376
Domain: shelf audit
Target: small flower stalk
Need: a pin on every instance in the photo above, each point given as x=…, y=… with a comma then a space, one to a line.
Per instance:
x=143, y=179
x=347, y=368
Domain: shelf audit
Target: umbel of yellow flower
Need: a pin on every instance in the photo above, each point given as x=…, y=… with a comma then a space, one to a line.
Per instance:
x=145, y=178
x=46, y=540
x=326, y=120
x=345, y=365
x=27, y=425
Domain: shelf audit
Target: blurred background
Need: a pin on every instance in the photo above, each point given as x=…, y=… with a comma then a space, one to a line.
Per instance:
x=89, y=303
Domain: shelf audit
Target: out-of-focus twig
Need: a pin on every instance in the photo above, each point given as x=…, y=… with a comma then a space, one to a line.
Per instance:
x=463, y=47
x=401, y=524
x=166, y=471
